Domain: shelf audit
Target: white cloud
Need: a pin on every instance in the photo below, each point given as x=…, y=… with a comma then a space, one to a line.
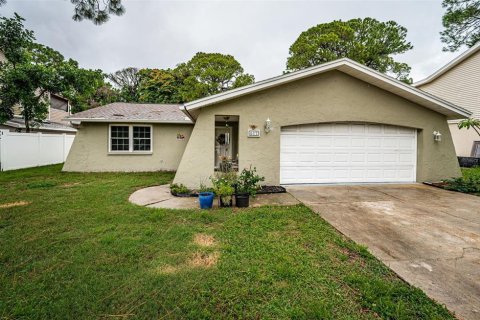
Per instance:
x=162, y=34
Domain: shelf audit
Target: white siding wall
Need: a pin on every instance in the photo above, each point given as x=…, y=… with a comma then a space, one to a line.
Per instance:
x=24, y=150
x=460, y=85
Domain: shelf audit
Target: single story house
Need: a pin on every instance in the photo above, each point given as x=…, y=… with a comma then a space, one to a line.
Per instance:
x=339, y=122
x=129, y=137
x=459, y=82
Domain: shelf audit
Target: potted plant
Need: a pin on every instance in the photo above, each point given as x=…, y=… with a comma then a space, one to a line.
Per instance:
x=246, y=186
x=206, y=199
x=223, y=187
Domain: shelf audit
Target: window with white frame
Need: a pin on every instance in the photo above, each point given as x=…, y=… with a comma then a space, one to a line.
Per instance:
x=130, y=138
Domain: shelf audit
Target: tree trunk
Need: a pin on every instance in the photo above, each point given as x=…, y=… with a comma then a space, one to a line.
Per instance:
x=27, y=124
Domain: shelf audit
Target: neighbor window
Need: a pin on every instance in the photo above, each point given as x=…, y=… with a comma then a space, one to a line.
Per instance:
x=476, y=149
x=130, y=138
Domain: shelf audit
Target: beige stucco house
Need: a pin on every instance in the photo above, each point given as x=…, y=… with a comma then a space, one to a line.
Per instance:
x=459, y=82
x=339, y=122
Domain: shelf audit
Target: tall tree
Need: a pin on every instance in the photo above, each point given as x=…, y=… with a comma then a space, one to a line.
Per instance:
x=210, y=73
x=367, y=41
x=32, y=71
x=461, y=22
x=160, y=86
x=97, y=11
x=15, y=39
x=127, y=82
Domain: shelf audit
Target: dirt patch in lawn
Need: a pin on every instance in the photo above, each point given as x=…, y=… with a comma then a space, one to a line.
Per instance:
x=72, y=184
x=167, y=269
x=204, y=260
x=204, y=240
x=14, y=204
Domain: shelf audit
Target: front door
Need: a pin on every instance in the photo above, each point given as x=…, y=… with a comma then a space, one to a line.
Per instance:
x=223, y=144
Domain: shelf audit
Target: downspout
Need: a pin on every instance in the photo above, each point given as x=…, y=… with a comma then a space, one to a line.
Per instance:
x=188, y=113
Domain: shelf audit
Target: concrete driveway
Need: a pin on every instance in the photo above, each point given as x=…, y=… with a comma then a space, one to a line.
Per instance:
x=428, y=236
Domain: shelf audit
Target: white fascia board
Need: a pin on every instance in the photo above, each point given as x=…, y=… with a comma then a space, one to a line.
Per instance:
x=125, y=120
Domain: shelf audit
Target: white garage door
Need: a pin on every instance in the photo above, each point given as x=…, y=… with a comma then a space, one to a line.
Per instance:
x=347, y=152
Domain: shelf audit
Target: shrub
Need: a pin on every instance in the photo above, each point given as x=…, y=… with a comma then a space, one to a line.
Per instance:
x=223, y=184
x=469, y=184
x=203, y=188
x=248, y=181
x=178, y=188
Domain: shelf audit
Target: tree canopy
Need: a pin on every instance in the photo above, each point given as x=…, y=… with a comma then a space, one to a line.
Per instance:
x=127, y=82
x=33, y=71
x=210, y=73
x=160, y=86
x=203, y=75
x=97, y=11
x=461, y=22
x=367, y=41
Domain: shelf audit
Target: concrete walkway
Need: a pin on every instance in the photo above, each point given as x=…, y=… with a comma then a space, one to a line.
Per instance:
x=160, y=197
x=428, y=236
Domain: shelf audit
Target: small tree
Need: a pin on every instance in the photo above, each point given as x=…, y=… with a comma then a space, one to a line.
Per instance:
x=32, y=71
x=470, y=123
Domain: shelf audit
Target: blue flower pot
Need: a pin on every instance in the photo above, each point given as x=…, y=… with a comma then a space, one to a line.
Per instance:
x=206, y=200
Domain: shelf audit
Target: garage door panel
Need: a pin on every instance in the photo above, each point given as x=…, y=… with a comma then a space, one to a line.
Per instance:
x=343, y=153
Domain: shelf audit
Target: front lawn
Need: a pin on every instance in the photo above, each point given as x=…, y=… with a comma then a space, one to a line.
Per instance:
x=73, y=247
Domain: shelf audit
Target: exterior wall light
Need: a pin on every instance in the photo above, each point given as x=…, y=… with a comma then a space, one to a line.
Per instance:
x=437, y=136
x=268, y=125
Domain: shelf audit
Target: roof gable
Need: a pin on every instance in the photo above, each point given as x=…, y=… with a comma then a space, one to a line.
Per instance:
x=452, y=64
x=346, y=66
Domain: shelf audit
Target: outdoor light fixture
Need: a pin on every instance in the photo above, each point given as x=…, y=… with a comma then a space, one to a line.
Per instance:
x=437, y=136
x=268, y=125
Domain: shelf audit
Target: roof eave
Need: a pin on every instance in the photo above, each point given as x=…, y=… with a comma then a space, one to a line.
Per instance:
x=20, y=126
x=452, y=111
x=127, y=120
x=465, y=55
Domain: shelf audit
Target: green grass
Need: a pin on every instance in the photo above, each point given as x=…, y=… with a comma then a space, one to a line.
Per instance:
x=80, y=250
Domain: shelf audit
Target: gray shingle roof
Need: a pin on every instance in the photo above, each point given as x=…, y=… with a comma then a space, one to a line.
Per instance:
x=122, y=111
x=46, y=125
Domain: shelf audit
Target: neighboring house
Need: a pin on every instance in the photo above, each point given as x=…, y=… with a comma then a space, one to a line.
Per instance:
x=339, y=122
x=58, y=110
x=459, y=82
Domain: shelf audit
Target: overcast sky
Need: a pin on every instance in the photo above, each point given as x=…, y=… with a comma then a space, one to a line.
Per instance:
x=258, y=34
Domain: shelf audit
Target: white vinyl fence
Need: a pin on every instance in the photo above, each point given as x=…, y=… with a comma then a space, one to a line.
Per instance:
x=24, y=150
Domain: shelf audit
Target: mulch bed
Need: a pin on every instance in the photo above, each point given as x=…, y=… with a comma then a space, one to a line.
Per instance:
x=440, y=185
x=271, y=189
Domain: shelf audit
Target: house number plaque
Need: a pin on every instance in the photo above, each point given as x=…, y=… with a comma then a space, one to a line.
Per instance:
x=253, y=133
